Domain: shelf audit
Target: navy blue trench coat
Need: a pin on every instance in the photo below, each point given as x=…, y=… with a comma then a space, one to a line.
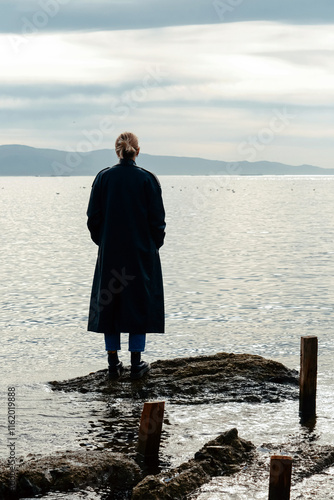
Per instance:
x=126, y=219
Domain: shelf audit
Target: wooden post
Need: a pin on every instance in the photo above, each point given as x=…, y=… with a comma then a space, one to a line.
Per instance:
x=150, y=429
x=308, y=377
x=280, y=478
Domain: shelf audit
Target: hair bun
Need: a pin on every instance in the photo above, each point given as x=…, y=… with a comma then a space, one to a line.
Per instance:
x=126, y=145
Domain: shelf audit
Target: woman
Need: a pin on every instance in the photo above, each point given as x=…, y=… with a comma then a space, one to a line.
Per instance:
x=126, y=219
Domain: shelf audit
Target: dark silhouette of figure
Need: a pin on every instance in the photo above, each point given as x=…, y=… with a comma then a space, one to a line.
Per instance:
x=126, y=219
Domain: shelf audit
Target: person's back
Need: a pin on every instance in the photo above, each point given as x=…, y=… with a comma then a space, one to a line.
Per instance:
x=127, y=195
x=126, y=220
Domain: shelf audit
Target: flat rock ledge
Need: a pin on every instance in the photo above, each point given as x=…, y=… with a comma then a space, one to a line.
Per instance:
x=221, y=456
x=69, y=471
x=121, y=475
x=217, y=378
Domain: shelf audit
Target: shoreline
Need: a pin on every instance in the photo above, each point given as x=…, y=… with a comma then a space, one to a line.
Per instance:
x=212, y=379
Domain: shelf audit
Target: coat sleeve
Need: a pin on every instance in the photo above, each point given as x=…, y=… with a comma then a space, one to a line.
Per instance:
x=94, y=211
x=156, y=212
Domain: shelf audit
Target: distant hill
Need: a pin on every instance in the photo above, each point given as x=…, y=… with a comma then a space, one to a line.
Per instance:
x=25, y=160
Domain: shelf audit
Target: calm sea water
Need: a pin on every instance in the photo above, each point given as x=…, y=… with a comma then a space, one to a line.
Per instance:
x=248, y=266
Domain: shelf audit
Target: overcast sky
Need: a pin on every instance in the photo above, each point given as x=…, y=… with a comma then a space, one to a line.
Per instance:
x=229, y=80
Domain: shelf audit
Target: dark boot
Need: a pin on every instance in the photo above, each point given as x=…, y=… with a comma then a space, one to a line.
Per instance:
x=116, y=367
x=138, y=367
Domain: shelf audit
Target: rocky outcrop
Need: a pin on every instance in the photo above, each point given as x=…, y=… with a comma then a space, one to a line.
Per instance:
x=65, y=472
x=121, y=475
x=212, y=379
x=221, y=456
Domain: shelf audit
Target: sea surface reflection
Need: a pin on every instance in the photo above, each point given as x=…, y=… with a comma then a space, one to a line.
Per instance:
x=248, y=267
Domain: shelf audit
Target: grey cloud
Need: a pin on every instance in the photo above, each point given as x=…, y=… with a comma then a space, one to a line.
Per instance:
x=50, y=112
x=58, y=91
x=23, y=16
x=97, y=97
x=68, y=104
x=67, y=91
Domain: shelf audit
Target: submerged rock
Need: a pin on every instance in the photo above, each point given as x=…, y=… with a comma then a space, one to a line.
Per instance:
x=221, y=456
x=217, y=378
x=121, y=475
x=312, y=472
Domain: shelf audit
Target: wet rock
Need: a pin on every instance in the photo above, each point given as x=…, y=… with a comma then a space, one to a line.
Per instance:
x=217, y=378
x=120, y=475
x=221, y=456
x=308, y=456
x=212, y=379
x=66, y=472
x=310, y=459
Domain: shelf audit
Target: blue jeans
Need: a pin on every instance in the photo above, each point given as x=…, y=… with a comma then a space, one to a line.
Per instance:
x=136, y=341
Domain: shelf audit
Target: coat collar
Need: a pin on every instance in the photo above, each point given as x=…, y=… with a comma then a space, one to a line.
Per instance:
x=125, y=161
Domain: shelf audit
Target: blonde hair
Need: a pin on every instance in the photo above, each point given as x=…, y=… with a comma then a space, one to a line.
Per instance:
x=126, y=145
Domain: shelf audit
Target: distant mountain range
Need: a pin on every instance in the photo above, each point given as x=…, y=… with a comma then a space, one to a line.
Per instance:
x=25, y=160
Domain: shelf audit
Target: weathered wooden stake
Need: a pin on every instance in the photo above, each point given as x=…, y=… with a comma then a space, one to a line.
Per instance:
x=150, y=429
x=308, y=377
x=280, y=478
